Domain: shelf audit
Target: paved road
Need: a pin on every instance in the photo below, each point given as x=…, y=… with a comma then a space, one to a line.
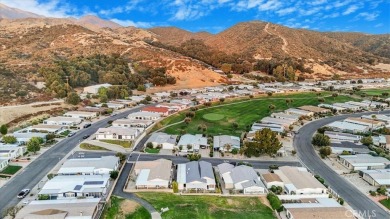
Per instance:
x=34, y=172
x=355, y=198
x=258, y=164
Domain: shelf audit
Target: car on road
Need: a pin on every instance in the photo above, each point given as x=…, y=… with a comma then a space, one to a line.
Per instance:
x=114, y=114
x=23, y=193
x=71, y=134
x=86, y=136
x=87, y=125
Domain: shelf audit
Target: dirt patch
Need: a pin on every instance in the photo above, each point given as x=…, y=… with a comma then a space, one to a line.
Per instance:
x=233, y=202
x=128, y=206
x=265, y=201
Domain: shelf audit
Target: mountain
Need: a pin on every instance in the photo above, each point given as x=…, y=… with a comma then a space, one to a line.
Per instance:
x=97, y=22
x=14, y=13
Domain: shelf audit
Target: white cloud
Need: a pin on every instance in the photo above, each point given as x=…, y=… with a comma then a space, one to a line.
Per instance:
x=368, y=16
x=317, y=2
x=379, y=25
x=128, y=23
x=51, y=8
x=286, y=11
x=351, y=9
x=270, y=5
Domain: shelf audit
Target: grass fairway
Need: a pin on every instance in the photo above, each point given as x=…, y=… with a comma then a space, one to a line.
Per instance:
x=386, y=203
x=243, y=112
x=11, y=170
x=213, y=117
x=208, y=206
x=373, y=92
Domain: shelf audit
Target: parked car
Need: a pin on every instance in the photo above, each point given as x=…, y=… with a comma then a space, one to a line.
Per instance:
x=23, y=193
x=86, y=136
x=87, y=125
x=71, y=134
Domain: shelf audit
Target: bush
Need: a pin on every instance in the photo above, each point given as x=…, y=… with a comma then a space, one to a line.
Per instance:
x=114, y=174
x=43, y=197
x=9, y=139
x=275, y=202
x=372, y=193
x=341, y=201
x=149, y=145
x=175, y=187
x=320, y=140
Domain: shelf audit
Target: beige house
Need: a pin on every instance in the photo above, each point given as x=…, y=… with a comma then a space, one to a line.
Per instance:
x=153, y=174
x=315, y=109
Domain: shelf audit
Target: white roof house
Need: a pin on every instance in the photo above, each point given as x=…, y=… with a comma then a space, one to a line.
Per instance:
x=134, y=123
x=283, y=122
x=144, y=116
x=299, y=112
x=116, y=133
x=297, y=180
x=375, y=104
x=45, y=128
x=332, y=107
x=23, y=137
x=94, y=89
x=241, y=179
x=81, y=114
x=60, y=209
x=153, y=174
x=348, y=127
x=163, y=139
x=3, y=163
x=62, y=120
x=115, y=106
x=196, y=175
x=89, y=166
x=378, y=177
x=10, y=152
x=360, y=104
x=196, y=141
x=378, y=117
x=220, y=142
x=348, y=106
x=339, y=137
x=363, y=162
x=64, y=187
x=294, y=117
x=273, y=127
x=367, y=122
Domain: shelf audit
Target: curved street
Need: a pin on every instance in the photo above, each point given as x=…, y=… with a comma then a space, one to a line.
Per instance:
x=363, y=205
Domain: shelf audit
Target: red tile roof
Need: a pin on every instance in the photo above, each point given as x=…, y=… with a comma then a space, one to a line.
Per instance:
x=156, y=109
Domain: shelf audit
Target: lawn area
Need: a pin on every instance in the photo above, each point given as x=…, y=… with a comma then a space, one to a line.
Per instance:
x=125, y=144
x=152, y=150
x=11, y=170
x=243, y=112
x=65, y=133
x=386, y=203
x=373, y=92
x=208, y=206
x=121, y=208
x=87, y=146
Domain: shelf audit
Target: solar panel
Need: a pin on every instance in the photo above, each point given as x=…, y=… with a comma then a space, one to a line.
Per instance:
x=93, y=182
x=77, y=187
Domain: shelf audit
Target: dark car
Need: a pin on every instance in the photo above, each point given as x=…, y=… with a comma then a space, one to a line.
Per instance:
x=86, y=136
x=87, y=125
x=23, y=193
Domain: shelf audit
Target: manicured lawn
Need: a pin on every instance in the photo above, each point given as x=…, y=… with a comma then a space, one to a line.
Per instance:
x=125, y=144
x=373, y=92
x=87, y=146
x=213, y=116
x=152, y=150
x=244, y=113
x=386, y=203
x=11, y=169
x=208, y=206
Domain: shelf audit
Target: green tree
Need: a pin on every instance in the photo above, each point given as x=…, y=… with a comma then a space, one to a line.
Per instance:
x=264, y=142
x=3, y=129
x=275, y=202
x=320, y=140
x=149, y=145
x=325, y=151
x=175, y=187
x=334, y=95
x=73, y=98
x=121, y=156
x=114, y=174
x=9, y=139
x=271, y=107
x=141, y=88
x=367, y=140
x=34, y=144
x=148, y=98
x=194, y=157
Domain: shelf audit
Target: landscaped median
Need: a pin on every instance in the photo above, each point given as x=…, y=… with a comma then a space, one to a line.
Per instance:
x=91, y=147
x=218, y=119
x=125, y=144
x=204, y=206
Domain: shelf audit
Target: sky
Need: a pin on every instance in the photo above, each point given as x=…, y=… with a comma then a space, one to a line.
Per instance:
x=367, y=16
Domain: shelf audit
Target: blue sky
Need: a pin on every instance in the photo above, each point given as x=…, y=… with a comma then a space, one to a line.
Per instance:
x=368, y=16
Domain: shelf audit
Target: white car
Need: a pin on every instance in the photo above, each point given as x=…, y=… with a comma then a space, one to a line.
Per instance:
x=23, y=193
